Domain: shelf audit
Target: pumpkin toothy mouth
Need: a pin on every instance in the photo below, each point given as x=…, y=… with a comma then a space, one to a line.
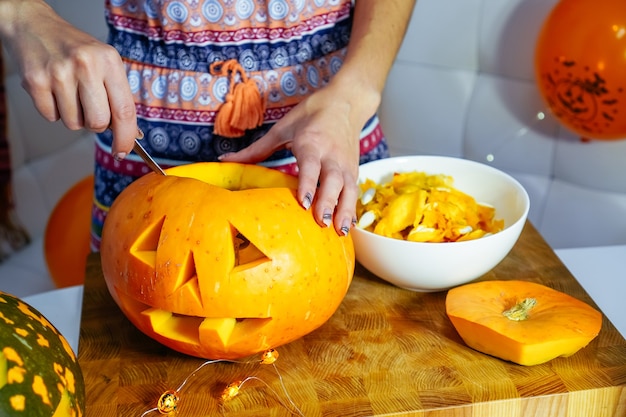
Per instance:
x=192, y=330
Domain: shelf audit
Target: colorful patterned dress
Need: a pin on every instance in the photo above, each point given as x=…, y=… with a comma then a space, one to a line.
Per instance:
x=290, y=48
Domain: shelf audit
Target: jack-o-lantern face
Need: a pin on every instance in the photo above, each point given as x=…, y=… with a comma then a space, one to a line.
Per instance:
x=211, y=262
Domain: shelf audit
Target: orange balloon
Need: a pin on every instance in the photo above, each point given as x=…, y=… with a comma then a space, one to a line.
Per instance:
x=580, y=64
x=67, y=235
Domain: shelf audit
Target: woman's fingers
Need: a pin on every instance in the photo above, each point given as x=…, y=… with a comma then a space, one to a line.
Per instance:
x=70, y=75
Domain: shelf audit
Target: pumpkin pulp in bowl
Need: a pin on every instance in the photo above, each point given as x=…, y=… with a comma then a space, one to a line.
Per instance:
x=220, y=261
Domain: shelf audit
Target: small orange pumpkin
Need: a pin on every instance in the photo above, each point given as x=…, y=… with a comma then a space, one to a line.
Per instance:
x=67, y=235
x=520, y=321
x=220, y=261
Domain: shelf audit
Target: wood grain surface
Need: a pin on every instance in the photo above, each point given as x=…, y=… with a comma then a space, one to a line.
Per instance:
x=386, y=351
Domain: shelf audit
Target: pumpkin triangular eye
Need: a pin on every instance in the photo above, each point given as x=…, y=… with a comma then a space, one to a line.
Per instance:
x=187, y=272
x=246, y=253
x=146, y=244
x=186, y=285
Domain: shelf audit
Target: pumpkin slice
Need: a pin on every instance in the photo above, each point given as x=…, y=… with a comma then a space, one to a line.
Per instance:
x=520, y=321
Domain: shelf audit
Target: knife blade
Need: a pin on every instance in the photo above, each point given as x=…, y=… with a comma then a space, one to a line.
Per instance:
x=139, y=150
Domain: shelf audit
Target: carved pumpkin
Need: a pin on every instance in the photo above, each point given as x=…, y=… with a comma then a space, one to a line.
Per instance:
x=220, y=261
x=39, y=373
x=520, y=321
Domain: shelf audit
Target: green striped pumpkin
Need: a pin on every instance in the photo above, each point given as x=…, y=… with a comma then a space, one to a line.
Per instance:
x=39, y=372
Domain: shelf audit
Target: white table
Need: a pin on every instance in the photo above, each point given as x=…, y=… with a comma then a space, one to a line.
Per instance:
x=63, y=308
x=600, y=270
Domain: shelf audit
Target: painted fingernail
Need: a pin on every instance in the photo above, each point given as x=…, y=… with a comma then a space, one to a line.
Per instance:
x=345, y=227
x=354, y=221
x=119, y=156
x=306, y=202
x=327, y=217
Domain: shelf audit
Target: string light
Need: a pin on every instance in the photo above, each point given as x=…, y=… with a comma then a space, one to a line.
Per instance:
x=167, y=403
x=269, y=357
x=231, y=390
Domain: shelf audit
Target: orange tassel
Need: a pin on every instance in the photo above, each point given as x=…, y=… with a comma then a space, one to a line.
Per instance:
x=223, y=126
x=243, y=106
x=248, y=106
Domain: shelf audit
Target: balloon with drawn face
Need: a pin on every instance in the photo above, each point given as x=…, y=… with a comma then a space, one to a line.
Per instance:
x=580, y=66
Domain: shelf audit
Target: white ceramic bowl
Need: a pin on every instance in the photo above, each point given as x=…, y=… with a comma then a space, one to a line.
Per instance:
x=431, y=267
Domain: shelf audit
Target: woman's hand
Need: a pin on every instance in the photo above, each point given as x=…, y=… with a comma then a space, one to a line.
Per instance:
x=323, y=133
x=69, y=74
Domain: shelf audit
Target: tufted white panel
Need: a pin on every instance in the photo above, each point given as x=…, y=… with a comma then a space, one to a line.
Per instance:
x=424, y=108
x=25, y=273
x=463, y=85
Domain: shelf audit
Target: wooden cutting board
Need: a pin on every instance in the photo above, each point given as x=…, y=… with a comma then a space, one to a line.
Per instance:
x=386, y=351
